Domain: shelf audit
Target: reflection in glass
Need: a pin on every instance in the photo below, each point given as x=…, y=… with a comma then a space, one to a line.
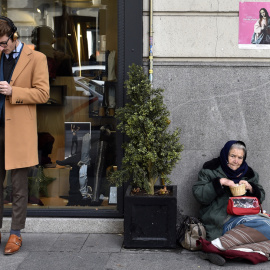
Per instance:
x=76, y=128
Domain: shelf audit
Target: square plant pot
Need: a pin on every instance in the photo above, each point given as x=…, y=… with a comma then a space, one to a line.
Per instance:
x=150, y=221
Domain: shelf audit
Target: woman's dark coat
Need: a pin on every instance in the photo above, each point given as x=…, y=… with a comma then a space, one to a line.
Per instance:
x=214, y=198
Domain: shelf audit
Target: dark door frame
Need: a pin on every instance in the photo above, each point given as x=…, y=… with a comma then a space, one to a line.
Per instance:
x=130, y=50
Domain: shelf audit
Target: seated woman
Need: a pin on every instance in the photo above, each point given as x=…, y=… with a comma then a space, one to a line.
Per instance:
x=228, y=233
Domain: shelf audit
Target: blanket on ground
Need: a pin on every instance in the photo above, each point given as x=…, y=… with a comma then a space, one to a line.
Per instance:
x=250, y=233
x=232, y=254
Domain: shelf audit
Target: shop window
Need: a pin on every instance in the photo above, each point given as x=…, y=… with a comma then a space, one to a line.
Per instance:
x=77, y=127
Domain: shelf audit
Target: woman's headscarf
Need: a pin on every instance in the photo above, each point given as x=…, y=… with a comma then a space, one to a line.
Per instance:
x=236, y=175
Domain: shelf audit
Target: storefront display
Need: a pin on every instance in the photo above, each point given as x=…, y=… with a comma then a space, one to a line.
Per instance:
x=76, y=127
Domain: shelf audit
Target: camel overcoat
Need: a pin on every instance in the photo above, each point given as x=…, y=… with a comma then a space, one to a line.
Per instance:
x=30, y=86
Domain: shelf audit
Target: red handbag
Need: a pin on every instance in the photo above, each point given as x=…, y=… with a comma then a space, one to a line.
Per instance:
x=241, y=206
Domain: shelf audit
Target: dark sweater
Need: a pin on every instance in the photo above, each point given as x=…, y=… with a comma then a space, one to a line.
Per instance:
x=8, y=67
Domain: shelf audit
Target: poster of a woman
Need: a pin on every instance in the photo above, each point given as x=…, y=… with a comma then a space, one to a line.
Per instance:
x=74, y=133
x=254, y=25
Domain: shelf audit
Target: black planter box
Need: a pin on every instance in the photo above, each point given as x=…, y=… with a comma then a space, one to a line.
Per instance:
x=150, y=221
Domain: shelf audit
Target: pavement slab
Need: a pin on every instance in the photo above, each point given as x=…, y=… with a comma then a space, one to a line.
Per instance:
x=157, y=261
x=69, y=242
x=64, y=260
x=108, y=243
x=87, y=251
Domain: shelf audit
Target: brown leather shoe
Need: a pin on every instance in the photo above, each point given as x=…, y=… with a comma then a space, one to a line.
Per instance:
x=13, y=245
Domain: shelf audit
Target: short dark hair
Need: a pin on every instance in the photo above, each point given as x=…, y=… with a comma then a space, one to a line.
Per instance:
x=5, y=28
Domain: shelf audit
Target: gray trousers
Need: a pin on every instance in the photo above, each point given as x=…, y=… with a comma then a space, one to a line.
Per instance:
x=19, y=180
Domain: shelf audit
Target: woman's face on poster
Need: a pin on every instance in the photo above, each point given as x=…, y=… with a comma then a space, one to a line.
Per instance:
x=263, y=13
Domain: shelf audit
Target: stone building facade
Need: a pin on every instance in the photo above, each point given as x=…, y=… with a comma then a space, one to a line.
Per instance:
x=215, y=91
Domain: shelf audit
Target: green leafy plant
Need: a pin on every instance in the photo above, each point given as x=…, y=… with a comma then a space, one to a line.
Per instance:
x=151, y=150
x=38, y=184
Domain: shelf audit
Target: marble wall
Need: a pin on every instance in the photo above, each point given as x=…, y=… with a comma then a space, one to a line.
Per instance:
x=213, y=104
x=214, y=90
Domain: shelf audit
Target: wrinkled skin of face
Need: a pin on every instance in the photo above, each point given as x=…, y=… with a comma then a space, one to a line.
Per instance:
x=235, y=158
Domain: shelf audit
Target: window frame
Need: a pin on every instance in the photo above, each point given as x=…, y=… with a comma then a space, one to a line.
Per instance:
x=130, y=50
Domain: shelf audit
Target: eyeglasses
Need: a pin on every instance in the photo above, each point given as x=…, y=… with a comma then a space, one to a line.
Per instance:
x=4, y=44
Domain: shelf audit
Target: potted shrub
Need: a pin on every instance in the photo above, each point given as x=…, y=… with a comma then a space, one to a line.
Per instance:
x=151, y=151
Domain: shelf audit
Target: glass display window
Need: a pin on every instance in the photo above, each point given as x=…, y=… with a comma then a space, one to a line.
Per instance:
x=76, y=127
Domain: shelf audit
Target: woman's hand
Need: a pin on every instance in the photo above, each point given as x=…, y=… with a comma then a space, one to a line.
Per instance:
x=247, y=185
x=227, y=182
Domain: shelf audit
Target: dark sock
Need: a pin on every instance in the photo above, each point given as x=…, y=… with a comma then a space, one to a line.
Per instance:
x=16, y=232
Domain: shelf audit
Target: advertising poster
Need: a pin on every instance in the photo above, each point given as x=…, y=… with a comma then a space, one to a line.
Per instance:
x=74, y=133
x=254, y=25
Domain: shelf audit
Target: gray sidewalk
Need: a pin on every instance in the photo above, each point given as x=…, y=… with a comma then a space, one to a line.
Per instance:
x=54, y=251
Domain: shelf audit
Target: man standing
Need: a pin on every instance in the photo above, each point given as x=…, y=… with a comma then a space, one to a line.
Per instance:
x=24, y=82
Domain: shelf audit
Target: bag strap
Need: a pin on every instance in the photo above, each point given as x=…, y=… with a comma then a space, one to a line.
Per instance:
x=181, y=228
x=194, y=220
x=199, y=230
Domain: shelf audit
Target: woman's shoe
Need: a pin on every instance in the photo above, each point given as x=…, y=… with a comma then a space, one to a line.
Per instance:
x=213, y=258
